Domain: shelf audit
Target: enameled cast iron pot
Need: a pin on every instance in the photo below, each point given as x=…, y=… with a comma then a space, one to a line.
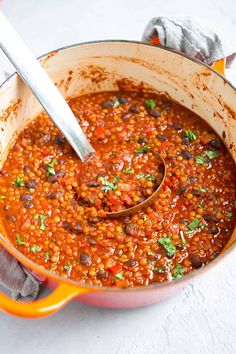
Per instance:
x=103, y=66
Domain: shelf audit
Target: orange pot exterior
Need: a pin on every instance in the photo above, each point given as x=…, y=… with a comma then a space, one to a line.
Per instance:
x=66, y=290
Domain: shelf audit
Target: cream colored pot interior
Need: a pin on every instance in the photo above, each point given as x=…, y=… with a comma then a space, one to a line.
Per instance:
x=103, y=66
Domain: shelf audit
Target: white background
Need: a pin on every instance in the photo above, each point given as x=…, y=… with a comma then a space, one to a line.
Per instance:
x=201, y=319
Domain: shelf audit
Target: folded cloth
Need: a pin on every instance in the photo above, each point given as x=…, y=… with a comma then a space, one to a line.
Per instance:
x=15, y=277
x=186, y=35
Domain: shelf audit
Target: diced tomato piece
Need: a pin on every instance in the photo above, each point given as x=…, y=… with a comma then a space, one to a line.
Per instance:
x=115, y=269
x=127, y=200
x=100, y=132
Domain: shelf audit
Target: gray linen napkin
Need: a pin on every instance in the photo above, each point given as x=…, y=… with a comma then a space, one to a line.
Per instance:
x=189, y=36
x=15, y=277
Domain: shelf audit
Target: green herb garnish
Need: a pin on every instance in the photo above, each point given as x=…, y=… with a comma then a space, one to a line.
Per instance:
x=36, y=248
x=190, y=134
x=148, y=177
x=19, y=240
x=202, y=190
x=229, y=215
x=194, y=224
x=108, y=186
x=116, y=103
x=178, y=271
x=118, y=276
x=142, y=150
x=50, y=169
x=166, y=242
x=181, y=233
x=68, y=267
x=200, y=160
x=116, y=179
x=19, y=182
x=151, y=104
x=158, y=270
x=47, y=256
x=31, y=190
x=200, y=206
x=211, y=154
x=145, y=218
x=91, y=200
x=42, y=224
x=128, y=170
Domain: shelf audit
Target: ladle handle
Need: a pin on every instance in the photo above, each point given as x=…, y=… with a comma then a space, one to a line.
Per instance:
x=43, y=88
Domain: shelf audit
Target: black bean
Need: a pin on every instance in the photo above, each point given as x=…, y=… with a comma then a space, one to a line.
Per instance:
x=185, y=141
x=107, y=104
x=122, y=99
x=196, y=192
x=181, y=190
x=31, y=183
x=91, y=241
x=154, y=113
x=142, y=140
x=26, y=169
x=26, y=197
x=161, y=137
x=214, y=230
x=55, y=195
x=92, y=184
x=66, y=225
x=130, y=263
x=60, y=174
x=134, y=109
x=60, y=140
x=130, y=229
x=215, y=219
x=28, y=205
x=207, y=217
x=76, y=228
x=126, y=116
x=176, y=126
x=166, y=105
x=186, y=155
x=196, y=261
x=101, y=274
x=216, y=144
x=85, y=259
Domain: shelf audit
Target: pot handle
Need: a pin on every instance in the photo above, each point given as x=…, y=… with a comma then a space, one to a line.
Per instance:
x=44, y=307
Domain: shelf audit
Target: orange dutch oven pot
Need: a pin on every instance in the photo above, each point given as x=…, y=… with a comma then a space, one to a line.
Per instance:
x=111, y=65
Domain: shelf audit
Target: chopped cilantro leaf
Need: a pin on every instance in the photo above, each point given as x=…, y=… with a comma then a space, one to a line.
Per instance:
x=50, y=169
x=145, y=218
x=229, y=215
x=151, y=104
x=116, y=179
x=158, y=270
x=200, y=160
x=108, y=186
x=116, y=103
x=166, y=242
x=211, y=154
x=200, y=206
x=68, y=267
x=190, y=134
x=19, y=240
x=91, y=200
x=118, y=276
x=42, y=218
x=19, y=182
x=202, y=190
x=142, y=150
x=178, y=271
x=128, y=170
x=47, y=255
x=35, y=248
x=181, y=233
x=195, y=223
x=147, y=177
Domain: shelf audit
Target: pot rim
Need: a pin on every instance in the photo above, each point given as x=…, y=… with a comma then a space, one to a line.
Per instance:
x=41, y=270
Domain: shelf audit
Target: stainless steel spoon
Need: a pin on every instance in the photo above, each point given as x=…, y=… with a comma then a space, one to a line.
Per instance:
x=43, y=88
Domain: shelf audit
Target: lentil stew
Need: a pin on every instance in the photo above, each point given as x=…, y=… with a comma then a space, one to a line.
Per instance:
x=54, y=207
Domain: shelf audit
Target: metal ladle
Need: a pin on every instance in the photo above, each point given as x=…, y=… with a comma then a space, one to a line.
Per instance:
x=54, y=104
x=43, y=88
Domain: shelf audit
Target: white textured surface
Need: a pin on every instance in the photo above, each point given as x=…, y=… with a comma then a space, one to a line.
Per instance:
x=201, y=319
